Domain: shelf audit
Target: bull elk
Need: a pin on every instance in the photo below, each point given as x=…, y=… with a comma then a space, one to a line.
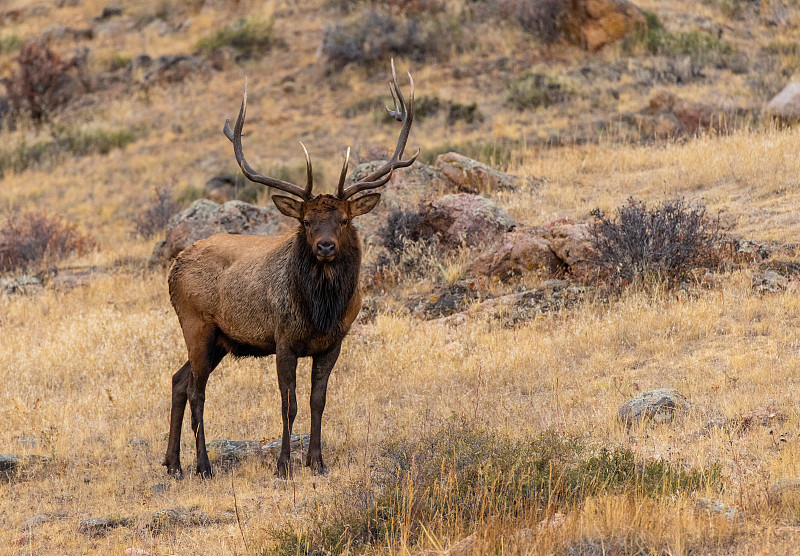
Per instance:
x=294, y=295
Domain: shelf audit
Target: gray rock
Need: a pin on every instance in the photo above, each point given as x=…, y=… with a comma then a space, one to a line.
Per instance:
x=11, y=464
x=160, y=488
x=717, y=508
x=471, y=176
x=99, y=526
x=658, y=405
x=232, y=452
x=205, y=218
x=22, y=285
x=172, y=518
x=35, y=521
x=169, y=69
x=785, y=487
x=785, y=106
x=769, y=281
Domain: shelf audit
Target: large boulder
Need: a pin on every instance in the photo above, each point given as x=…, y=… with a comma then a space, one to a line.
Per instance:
x=471, y=176
x=592, y=24
x=169, y=69
x=785, y=106
x=658, y=405
x=466, y=219
x=205, y=218
x=517, y=252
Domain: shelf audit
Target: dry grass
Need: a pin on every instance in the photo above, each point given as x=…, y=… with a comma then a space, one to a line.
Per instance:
x=86, y=372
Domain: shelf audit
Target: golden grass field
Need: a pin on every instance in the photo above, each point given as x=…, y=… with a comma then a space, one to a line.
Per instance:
x=85, y=373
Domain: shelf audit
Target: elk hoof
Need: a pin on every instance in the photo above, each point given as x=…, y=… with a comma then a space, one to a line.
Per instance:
x=282, y=472
x=174, y=470
x=204, y=472
x=316, y=465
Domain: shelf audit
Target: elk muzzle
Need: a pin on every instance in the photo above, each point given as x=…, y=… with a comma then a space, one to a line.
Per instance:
x=325, y=250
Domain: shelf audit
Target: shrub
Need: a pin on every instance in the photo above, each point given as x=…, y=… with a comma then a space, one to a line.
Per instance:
x=10, y=44
x=427, y=106
x=666, y=242
x=461, y=477
x=375, y=36
x=701, y=46
x=401, y=227
x=154, y=218
x=34, y=87
x=532, y=90
x=249, y=36
x=63, y=141
x=33, y=238
x=542, y=18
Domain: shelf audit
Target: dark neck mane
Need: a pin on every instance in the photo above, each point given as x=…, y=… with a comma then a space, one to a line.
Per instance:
x=325, y=288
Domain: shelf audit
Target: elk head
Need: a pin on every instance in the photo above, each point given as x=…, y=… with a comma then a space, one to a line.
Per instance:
x=325, y=218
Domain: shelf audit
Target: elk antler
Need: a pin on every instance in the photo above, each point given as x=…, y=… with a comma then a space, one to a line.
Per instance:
x=235, y=137
x=383, y=174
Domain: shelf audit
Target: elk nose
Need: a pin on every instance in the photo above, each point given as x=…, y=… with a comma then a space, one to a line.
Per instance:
x=326, y=248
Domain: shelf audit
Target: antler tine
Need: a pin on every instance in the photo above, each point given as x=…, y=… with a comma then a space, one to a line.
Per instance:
x=235, y=136
x=403, y=112
x=309, y=173
x=343, y=175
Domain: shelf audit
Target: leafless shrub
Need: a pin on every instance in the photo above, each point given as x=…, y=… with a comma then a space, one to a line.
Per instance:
x=666, y=242
x=33, y=238
x=41, y=81
x=155, y=216
x=542, y=18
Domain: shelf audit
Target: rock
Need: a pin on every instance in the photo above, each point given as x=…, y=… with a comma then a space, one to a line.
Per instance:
x=231, y=452
x=716, y=507
x=99, y=526
x=160, y=488
x=12, y=464
x=471, y=176
x=22, y=285
x=466, y=219
x=111, y=10
x=572, y=244
x=171, y=519
x=133, y=551
x=785, y=106
x=464, y=547
x=658, y=405
x=769, y=281
x=205, y=218
x=517, y=252
x=592, y=24
x=785, y=487
x=174, y=69
x=35, y=521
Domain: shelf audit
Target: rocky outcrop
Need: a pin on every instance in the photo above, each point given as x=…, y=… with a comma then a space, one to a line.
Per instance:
x=464, y=219
x=205, y=218
x=593, y=24
x=572, y=243
x=471, y=176
x=517, y=252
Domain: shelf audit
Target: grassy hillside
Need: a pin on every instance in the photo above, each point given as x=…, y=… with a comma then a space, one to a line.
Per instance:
x=507, y=432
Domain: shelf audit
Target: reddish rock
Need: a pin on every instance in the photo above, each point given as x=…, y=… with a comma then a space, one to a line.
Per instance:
x=572, y=243
x=464, y=218
x=592, y=24
x=519, y=251
x=205, y=218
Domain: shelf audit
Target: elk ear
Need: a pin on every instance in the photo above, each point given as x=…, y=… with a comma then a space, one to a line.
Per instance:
x=364, y=204
x=288, y=206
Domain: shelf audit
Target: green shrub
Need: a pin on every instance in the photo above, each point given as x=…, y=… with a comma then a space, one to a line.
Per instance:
x=10, y=43
x=461, y=477
x=116, y=62
x=249, y=36
x=532, y=90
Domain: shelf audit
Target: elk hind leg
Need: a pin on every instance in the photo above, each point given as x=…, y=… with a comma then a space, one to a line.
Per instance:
x=180, y=381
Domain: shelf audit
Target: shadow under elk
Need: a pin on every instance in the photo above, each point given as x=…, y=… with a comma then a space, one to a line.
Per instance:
x=294, y=295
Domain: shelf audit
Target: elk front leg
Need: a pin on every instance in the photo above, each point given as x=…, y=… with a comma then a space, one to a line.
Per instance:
x=286, y=363
x=320, y=372
x=172, y=460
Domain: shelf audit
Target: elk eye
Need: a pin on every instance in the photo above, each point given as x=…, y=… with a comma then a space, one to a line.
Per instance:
x=344, y=222
x=306, y=224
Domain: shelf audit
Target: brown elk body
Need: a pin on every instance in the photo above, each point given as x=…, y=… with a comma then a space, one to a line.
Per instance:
x=293, y=296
